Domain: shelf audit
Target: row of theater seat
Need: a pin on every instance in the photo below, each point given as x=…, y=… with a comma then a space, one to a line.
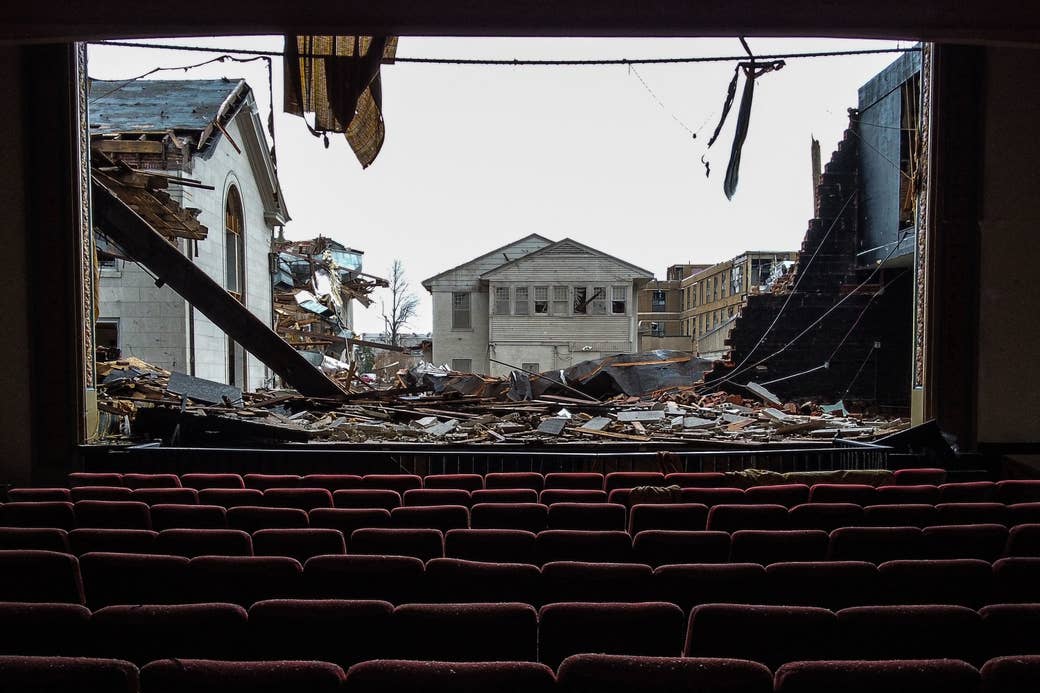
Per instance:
x=348, y=632
x=469, y=482
x=585, y=673
x=786, y=495
x=103, y=579
x=653, y=547
x=532, y=517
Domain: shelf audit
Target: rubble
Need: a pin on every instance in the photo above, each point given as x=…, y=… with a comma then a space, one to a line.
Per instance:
x=430, y=405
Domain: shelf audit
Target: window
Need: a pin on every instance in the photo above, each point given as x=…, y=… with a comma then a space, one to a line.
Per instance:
x=559, y=304
x=599, y=300
x=736, y=279
x=541, y=300
x=234, y=245
x=521, y=306
x=531, y=367
x=462, y=365
x=581, y=300
x=657, y=302
x=460, y=316
x=501, y=300
x=619, y=300
x=657, y=329
x=106, y=336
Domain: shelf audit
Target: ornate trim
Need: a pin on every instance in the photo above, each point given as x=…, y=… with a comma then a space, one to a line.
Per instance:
x=87, y=254
x=924, y=230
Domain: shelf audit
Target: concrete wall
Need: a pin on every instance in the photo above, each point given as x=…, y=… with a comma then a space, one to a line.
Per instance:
x=150, y=319
x=1009, y=295
x=15, y=429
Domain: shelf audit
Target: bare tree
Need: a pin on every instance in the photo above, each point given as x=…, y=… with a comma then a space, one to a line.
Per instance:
x=403, y=304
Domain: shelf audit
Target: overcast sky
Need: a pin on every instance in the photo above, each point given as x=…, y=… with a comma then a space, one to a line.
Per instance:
x=477, y=156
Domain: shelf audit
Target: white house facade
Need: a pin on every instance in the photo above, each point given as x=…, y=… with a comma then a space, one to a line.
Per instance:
x=536, y=305
x=209, y=131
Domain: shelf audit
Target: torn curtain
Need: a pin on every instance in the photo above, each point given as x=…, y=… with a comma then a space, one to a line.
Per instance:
x=337, y=79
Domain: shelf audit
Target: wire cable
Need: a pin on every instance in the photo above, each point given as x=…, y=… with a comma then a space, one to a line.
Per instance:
x=518, y=62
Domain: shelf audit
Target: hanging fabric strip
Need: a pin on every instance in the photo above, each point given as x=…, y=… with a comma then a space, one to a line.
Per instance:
x=337, y=79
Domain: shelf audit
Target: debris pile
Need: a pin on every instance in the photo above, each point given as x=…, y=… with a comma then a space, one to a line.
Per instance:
x=641, y=398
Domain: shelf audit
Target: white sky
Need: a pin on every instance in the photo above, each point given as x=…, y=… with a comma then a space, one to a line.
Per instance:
x=477, y=156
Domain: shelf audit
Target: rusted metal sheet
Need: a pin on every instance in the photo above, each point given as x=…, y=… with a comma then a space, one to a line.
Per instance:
x=148, y=247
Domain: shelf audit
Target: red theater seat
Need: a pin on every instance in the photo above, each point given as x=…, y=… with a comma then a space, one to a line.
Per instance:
x=492, y=545
x=1017, y=491
x=678, y=516
x=367, y=498
x=1010, y=629
x=924, y=494
x=648, y=628
x=618, y=480
x=587, y=516
x=155, y=496
x=451, y=580
x=730, y=518
x=825, y=516
x=136, y=481
x=346, y=520
x=700, y=480
x=95, y=493
x=112, y=515
x=466, y=632
x=875, y=544
x=243, y=580
x=332, y=482
x=568, y=581
x=787, y=495
x=125, y=578
x=396, y=579
x=39, y=539
x=45, y=629
x=577, y=545
x=922, y=475
x=436, y=496
x=40, y=576
x=392, y=482
x=770, y=635
x=300, y=544
x=1016, y=580
x=825, y=584
x=440, y=517
x=252, y=518
x=39, y=494
x=1019, y=674
x=53, y=514
x=985, y=542
x=1023, y=540
x=966, y=492
x=1023, y=514
x=423, y=544
x=931, y=676
x=464, y=482
x=262, y=482
x=910, y=632
x=706, y=583
x=667, y=546
x=301, y=628
x=47, y=674
x=208, y=676
x=204, y=542
x=514, y=480
x=144, y=633
x=859, y=494
x=590, y=481
x=383, y=676
x=901, y=515
x=964, y=582
x=504, y=495
x=299, y=498
x=714, y=496
x=971, y=513
x=530, y=517
x=231, y=497
x=84, y=541
x=598, y=673
x=188, y=517
x=206, y=481
x=772, y=546
x=571, y=495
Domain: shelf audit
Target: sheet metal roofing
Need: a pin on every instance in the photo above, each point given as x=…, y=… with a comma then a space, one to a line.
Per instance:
x=150, y=105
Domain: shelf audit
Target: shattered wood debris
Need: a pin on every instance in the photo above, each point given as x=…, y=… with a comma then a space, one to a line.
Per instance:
x=431, y=405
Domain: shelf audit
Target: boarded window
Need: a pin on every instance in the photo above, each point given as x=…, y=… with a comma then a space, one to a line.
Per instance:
x=581, y=300
x=541, y=300
x=599, y=300
x=460, y=313
x=502, y=300
x=521, y=304
x=559, y=304
x=619, y=300
x=462, y=365
x=531, y=367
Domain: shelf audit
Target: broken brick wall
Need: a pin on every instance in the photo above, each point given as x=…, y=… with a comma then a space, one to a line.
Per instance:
x=835, y=358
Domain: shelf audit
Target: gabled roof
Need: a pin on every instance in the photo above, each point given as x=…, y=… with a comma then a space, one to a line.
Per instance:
x=198, y=109
x=496, y=251
x=562, y=244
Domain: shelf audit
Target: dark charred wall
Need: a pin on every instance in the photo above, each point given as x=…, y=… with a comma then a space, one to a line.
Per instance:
x=861, y=349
